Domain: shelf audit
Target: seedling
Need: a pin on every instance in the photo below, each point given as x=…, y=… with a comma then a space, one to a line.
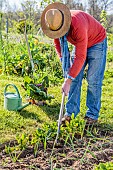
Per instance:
x=23, y=141
x=12, y=151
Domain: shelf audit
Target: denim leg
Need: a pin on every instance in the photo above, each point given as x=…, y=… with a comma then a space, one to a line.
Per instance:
x=96, y=59
x=73, y=103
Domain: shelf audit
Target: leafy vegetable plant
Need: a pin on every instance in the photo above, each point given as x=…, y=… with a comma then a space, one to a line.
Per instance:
x=37, y=91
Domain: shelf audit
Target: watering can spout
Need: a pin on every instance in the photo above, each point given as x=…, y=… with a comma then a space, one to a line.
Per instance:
x=23, y=106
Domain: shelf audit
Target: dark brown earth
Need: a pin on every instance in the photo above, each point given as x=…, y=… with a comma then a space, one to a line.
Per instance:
x=81, y=154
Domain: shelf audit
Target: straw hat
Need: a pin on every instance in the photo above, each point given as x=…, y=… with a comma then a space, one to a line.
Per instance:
x=56, y=20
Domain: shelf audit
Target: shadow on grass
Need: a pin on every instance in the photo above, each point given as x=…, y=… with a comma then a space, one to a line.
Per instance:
x=52, y=111
x=26, y=114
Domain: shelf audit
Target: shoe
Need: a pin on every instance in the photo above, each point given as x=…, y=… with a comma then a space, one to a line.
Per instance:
x=66, y=119
x=90, y=121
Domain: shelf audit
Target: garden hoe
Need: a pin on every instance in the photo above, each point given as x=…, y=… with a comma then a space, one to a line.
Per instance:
x=60, y=116
x=59, y=121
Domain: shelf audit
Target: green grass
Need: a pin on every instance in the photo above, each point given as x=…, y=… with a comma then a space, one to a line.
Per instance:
x=32, y=117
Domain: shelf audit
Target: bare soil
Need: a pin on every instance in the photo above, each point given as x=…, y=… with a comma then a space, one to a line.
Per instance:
x=81, y=154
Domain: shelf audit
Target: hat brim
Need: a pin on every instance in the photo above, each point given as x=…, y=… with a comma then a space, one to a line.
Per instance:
x=66, y=23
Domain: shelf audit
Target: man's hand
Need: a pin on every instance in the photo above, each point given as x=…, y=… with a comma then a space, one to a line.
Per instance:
x=66, y=86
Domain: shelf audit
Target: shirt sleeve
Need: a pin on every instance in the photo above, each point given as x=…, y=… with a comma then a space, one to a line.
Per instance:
x=80, y=52
x=57, y=47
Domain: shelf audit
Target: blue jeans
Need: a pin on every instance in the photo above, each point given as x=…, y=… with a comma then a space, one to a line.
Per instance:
x=96, y=61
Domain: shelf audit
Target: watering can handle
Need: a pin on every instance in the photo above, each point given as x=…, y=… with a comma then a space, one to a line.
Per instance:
x=14, y=87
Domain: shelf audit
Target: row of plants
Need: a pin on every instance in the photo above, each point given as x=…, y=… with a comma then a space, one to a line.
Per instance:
x=68, y=135
x=45, y=134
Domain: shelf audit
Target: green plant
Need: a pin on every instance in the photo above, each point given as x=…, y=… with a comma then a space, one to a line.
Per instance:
x=42, y=135
x=12, y=152
x=110, y=56
x=36, y=144
x=110, y=40
x=23, y=141
x=75, y=127
x=104, y=166
x=21, y=26
x=109, y=74
x=103, y=17
x=37, y=91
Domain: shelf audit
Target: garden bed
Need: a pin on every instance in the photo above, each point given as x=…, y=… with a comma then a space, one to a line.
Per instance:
x=80, y=154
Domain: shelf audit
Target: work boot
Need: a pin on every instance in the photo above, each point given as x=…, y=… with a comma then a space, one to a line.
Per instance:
x=90, y=125
x=65, y=119
x=90, y=121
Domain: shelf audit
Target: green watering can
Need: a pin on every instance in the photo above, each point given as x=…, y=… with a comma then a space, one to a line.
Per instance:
x=13, y=101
